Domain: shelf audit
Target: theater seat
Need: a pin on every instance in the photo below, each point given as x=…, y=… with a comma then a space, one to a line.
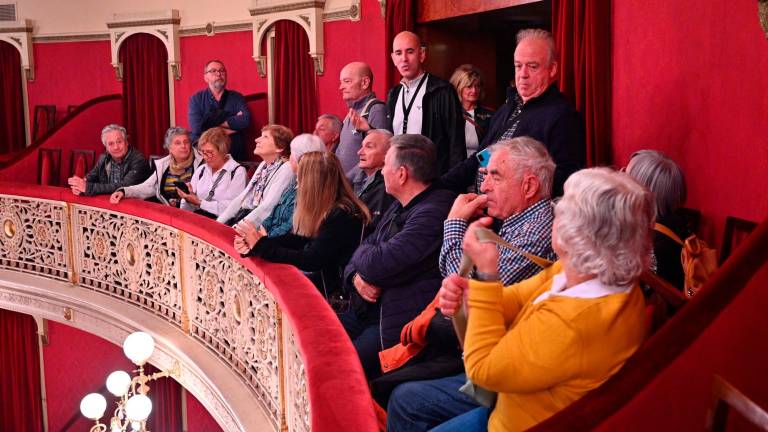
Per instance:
x=727, y=398
x=48, y=166
x=81, y=162
x=45, y=120
x=736, y=230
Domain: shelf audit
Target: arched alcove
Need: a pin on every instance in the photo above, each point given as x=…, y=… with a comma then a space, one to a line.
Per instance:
x=12, y=100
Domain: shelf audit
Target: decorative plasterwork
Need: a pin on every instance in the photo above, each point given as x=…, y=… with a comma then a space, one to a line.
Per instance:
x=309, y=15
x=19, y=34
x=163, y=25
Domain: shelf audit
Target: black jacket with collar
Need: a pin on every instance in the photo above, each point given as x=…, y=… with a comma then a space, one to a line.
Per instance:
x=442, y=120
x=548, y=118
x=134, y=170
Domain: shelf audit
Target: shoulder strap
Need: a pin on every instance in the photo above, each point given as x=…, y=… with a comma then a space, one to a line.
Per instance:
x=368, y=105
x=667, y=232
x=232, y=173
x=488, y=236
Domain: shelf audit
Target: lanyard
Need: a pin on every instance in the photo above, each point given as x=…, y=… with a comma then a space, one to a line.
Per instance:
x=215, y=184
x=407, y=110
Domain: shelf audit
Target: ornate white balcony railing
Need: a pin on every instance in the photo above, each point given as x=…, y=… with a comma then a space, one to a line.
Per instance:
x=172, y=265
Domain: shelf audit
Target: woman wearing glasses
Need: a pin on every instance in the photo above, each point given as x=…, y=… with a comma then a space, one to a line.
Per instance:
x=216, y=183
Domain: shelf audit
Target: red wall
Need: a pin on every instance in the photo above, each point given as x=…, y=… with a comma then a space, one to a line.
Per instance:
x=690, y=79
x=78, y=363
x=70, y=73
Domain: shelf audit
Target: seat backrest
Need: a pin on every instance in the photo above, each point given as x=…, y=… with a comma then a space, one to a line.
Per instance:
x=45, y=120
x=81, y=161
x=736, y=230
x=48, y=166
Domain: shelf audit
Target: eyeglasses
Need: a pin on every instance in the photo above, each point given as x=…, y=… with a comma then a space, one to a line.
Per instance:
x=207, y=153
x=217, y=71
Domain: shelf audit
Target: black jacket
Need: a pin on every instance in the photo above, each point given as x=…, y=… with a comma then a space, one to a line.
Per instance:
x=549, y=118
x=401, y=258
x=442, y=120
x=376, y=198
x=324, y=256
x=134, y=170
x=482, y=119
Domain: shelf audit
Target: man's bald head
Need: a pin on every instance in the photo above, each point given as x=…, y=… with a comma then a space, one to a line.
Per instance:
x=355, y=81
x=408, y=54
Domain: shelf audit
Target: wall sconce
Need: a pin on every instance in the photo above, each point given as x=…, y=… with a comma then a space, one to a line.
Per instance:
x=133, y=405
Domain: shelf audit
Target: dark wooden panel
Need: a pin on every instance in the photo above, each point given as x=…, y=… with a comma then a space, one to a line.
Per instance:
x=430, y=10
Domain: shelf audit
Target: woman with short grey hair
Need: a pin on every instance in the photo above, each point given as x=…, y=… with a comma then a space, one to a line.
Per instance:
x=545, y=342
x=665, y=179
x=177, y=167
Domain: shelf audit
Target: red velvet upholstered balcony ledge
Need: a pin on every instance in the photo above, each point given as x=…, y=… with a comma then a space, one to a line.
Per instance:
x=338, y=393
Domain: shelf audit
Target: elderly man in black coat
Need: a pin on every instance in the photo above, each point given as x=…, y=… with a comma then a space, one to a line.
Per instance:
x=395, y=270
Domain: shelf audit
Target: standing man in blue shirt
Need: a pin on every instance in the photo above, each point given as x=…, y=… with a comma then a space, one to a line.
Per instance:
x=216, y=106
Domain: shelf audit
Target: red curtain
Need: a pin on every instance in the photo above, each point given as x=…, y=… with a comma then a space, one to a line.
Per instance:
x=11, y=100
x=582, y=31
x=166, y=403
x=295, y=93
x=20, y=395
x=400, y=17
x=145, y=92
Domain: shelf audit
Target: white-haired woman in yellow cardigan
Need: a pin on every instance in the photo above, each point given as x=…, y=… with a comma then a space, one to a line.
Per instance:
x=545, y=342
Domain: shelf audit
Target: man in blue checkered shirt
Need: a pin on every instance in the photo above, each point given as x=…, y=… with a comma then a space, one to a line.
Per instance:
x=516, y=191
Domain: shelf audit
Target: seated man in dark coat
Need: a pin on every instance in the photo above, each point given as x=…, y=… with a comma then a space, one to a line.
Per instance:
x=367, y=181
x=395, y=270
x=534, y=108
x=120, y=166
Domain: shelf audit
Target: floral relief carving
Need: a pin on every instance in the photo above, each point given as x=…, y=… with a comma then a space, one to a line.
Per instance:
x=128, y=258
x=298, y=414
x=234, y=315
x=33, y=237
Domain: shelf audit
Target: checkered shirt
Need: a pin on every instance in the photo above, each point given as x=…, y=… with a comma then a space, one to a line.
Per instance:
x=530, y=230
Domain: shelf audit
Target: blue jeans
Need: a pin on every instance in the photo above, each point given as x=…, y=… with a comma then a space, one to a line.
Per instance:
x=421, y=405
x=473, y=421
x=366, y=340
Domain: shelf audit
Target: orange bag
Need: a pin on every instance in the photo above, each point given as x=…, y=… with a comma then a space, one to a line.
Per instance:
x=699, y=260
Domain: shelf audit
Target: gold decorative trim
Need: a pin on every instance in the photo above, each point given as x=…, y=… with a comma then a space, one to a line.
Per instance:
x=15, y=29
x=183, y=285
x=194, y=31
x=70, y=245
x=762, y=14
x=154, y=22
x=286, y=8
x=283, y=424
x=353, y=13
x=72, y=38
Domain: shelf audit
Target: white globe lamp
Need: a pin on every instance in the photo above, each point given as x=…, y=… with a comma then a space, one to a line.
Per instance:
x=138, y=407
x=118, y=383
x=139, y=347
x=93, y=405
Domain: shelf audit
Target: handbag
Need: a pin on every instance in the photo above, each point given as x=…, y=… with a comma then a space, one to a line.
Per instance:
x=699, y=260
x=483, y=396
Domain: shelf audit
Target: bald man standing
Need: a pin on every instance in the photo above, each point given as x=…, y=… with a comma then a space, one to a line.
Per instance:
x=356, y=85
x=425, y=104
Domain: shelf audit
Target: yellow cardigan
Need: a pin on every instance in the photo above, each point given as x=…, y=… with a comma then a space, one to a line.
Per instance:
x=541, y=357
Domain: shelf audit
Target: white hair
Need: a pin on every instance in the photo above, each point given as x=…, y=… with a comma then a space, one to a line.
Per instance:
x=540, y=34
x=604, y=225
x=662, y=176
x=113, y=127
x=528, y=155
x=306, y=143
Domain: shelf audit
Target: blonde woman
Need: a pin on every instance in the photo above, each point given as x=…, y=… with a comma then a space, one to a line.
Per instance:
x=327, y=224
x=218, y=181
x=468, y=82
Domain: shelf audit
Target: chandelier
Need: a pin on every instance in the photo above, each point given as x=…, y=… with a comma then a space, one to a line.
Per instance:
x=133, y=405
